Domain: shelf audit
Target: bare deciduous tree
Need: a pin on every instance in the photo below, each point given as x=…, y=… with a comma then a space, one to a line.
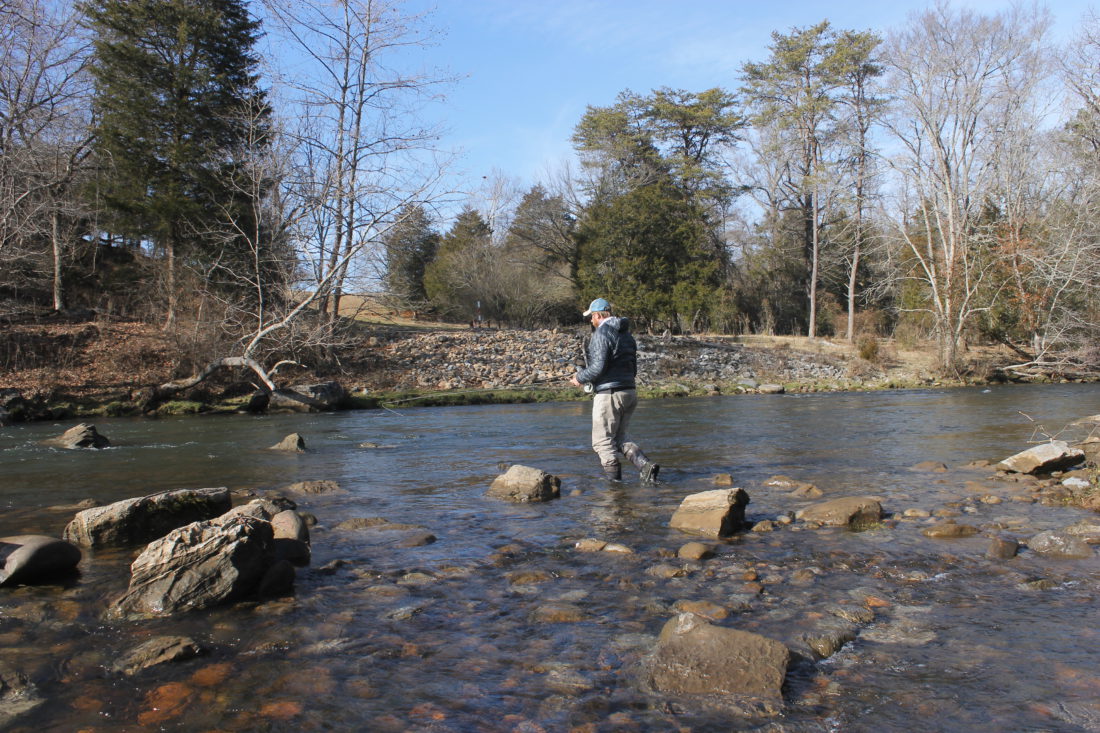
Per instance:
x=960, y=81
x=368, y=152
x=44, y=138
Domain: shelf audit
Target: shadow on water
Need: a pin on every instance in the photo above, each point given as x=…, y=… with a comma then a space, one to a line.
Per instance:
x=501, y=625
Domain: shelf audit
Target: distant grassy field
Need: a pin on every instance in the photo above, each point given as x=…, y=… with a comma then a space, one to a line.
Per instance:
x=371, y=308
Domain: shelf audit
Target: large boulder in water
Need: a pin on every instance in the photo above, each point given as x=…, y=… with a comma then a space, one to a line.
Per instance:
x=1053, y=456
x=141, y=520
x=198, y=566
x=717, y=513
x=293, y=443
x=523, y=484
x=31, y=558
x=80, y=436
x=697, y=658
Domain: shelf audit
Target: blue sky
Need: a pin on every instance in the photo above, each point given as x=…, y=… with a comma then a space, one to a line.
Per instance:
x=529, y=68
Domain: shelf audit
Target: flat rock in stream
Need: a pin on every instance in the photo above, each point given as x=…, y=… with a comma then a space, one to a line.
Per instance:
x=137, y=521
x=694, y=657
x=1054, y=543
x=34, y=558
x=523, y=484
x=853, y=512
x=716, y=513
x=1056, y=455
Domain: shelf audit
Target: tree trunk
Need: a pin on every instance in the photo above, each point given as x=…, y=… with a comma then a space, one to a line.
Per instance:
x=55, y=236
x=852, y=278
x=170, y=260
x=815, y=252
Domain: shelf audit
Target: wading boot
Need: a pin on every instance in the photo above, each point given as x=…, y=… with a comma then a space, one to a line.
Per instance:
x=613, y=472
x=647, y=469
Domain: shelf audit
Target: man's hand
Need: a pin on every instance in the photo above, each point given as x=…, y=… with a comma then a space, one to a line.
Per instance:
x=573, y=381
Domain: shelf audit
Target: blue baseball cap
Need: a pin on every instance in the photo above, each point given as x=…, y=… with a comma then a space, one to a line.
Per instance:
x=599, y=304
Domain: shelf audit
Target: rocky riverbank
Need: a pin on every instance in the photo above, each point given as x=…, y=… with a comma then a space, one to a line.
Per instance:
x=495, y=359
x=86, y=370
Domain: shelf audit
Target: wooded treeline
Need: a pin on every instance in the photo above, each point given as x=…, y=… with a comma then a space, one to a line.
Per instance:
x=935, y=181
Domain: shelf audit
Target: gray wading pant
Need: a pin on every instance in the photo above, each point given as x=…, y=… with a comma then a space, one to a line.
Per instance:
x=611, y=415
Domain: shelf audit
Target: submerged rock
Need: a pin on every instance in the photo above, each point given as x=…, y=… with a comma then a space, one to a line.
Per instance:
x=522, y=484
x=929, y=466
x=1053, y=456
x=949, y=530
x=18, y=694
x=1087, y=529
x=697, y=658
x=146, y=518
x=829, y=636
x=557, y=613
x=806, y=491
x=716, y=513
x=158, y=650
x=32, y=558
x=315, y=487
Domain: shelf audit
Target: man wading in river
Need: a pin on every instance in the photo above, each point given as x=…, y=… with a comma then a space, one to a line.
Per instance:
x=612, y=365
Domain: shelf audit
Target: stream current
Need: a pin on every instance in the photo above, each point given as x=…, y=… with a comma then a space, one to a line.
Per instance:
x=501, y=625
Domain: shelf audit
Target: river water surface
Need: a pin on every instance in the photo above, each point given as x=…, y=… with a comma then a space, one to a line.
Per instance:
x=501, y=625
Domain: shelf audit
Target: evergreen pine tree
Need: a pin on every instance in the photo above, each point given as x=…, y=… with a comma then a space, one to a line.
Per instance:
x=175, y=83
x=410, y=246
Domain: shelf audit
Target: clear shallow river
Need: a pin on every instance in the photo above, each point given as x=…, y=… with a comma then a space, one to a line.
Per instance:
x=456, y=635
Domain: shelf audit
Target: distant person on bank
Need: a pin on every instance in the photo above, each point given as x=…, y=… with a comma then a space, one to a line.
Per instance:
x=612, y=366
